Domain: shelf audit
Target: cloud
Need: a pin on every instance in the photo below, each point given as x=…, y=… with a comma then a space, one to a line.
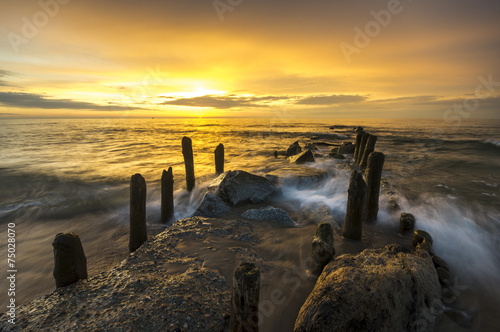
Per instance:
x=331, y=100
x=5, y=73
x=225, y=102
x=31, y=100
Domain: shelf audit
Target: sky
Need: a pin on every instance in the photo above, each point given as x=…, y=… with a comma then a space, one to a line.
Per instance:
x=242, y=58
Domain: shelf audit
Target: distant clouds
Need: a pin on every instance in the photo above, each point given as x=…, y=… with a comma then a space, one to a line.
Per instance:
x=31, y=100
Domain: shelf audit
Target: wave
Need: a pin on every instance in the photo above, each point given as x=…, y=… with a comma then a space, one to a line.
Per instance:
x=493, y=142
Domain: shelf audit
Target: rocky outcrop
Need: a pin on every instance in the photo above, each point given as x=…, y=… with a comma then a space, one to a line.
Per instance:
x=345, y=148
x=240, y=187
x=293, y=149
x=302, y=158
x=212, y=206
x=375, y=290
x=270, y=213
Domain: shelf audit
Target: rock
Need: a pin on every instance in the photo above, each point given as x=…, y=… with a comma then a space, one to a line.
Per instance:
x=319, y=213
x=375, y=290
x=325, y=144
x=275, y=154
x=419, y=236
x=70, y=263
x=240, y=187
x=212, y=206
x=425, y=245
x=462, y=318
x=323, y=248
x=335, y=155
x=310, y=146
x=393, y=204
x=358, y=129
x=444, y=277
x=406, y=223
x=304, y=157
x=300, y=176
x=293, y=149
x=439, y=262
x=345, y=148
x=270, y=213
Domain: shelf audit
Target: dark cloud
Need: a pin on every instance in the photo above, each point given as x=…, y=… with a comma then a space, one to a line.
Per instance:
x=31, y=100
x=225, y=102
x=331, y=100
x=5, y=73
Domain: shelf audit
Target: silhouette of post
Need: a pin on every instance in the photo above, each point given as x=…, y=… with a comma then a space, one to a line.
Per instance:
x=369, y=148
x=244, y=315
x=187, y=151
x=355, y=202
x=362, y=144
x=357, y=145
x=70, y=263
x=167, y=196
x=373, y=174
x=138, y=231
x=219, y=159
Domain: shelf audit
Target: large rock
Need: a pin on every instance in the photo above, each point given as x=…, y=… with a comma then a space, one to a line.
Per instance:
x=304, y=157
x=345, y=148
x=293, y=149
x=295, y=175
x=375, y=290
x=240, y=187
x=212, y=206
x=269, y=213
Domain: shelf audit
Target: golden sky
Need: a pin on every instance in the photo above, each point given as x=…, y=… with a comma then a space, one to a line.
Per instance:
x=242, y=58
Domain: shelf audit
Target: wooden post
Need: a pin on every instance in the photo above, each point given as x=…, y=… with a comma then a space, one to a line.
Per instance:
x=373, y=174
x=219, y=159
x=352, y=228
x=167, y=196
x=323, y=249
x=138, y=231
x=70, y=263
x=362, y=144
x=244, y=314
x=369, y=148
x=187, y=151
x=358, y=144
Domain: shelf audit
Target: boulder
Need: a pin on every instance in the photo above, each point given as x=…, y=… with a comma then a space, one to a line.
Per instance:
x=345, y=148
x=240, y=187
x=212, y=206
x=296, y=175
x=293, y=149
x=439, y=262
x=406, y=223
x=444, y=277
x=270, y=213
x=310, y=146
x=375, y=290
x=419, y=236
x=304, y=157
x=358, y=129
x=335, y=155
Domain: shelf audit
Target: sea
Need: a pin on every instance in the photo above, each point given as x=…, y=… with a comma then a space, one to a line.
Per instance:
x=73, y=175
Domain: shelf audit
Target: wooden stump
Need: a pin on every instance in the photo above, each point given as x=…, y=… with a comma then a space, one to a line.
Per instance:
x=70, y=263
x=167, y=196
x=138, y=231
x=362, y=144
x=373, y=174
x=359, y=136
x=219, y=159
x=369, y=148
x=245, y=299
x=323, y=248
x=187, y=151
x=352, y=228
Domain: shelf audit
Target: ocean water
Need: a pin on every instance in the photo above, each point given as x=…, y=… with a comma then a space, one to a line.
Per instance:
x=72, y=175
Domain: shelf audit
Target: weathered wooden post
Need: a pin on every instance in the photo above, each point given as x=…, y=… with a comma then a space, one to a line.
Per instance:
x=373, y=174
x=245, y=299
x=369, y=148
x=138, y=231
x=357, y=144
x=187, y=151
x=323, y=249
x=352, y=228
x=167, y=196
x=219, y=159
x=362, y=144
x=70, y=263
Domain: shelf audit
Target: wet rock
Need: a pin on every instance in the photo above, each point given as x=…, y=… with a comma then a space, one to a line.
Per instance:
x=419, y=236
x=275, y=154
x=375, y=290
x=358, y=129
x=444, y=277
x=240, y=187
x=345, y=148
x=393, y=204
x=300, y=176
x=270, y=213
x=293, y=149
x=439, y=262
x=335, y=155
x=426, y=246
x=463, y=319
x=212, y=206
x=323, y=248
x=304, y=157
x=310, y=146
x=319, y=213
x=406, y=223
